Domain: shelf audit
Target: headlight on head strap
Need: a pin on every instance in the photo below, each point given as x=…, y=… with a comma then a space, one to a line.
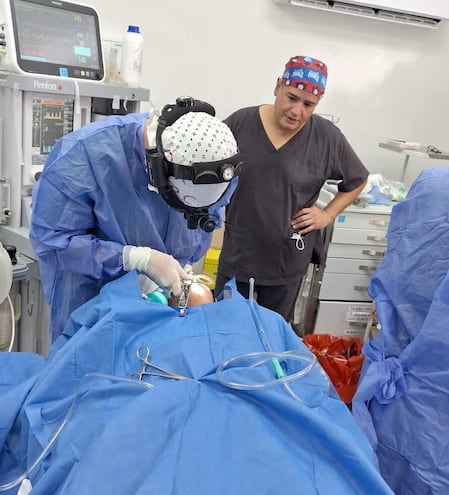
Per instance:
x=227, y=172
x=207, y=172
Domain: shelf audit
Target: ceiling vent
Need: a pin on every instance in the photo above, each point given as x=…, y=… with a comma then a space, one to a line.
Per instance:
x=423, y=13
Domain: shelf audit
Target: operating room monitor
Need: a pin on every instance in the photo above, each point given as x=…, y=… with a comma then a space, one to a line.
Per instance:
x=46, y=118
x=53, y=38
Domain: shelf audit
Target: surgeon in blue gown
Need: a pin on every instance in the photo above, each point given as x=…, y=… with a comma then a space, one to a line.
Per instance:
x=130, y=192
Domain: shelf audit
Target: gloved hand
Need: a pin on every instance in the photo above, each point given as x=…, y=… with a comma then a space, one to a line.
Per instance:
x=160, y=267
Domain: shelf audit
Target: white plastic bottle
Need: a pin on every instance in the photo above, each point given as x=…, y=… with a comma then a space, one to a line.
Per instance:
x=132, y=57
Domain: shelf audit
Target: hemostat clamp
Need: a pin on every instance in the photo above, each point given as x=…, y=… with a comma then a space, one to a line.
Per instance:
x=184, y=297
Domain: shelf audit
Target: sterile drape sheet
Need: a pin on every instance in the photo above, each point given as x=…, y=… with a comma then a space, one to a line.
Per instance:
x=402, y=401
x=194, y=436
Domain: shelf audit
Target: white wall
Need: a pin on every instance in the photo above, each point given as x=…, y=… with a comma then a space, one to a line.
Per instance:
x=385, y=80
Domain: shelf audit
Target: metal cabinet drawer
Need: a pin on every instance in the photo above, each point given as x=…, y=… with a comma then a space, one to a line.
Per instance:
x=351, y=265
x=345, y=287
x=356, y=251
x=359, y=236
x=366, y=221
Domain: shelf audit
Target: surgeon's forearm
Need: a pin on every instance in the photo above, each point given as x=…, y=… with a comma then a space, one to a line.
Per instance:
x=91, y=256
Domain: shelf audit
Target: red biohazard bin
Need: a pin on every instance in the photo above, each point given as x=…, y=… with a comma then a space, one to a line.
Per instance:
x=341, y=359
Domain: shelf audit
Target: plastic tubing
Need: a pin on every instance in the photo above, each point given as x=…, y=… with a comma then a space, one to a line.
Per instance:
x=68, y=415
x=275, y=356
x=260, y=359
x=318, y=401
x=261, y=332
x=50, y=444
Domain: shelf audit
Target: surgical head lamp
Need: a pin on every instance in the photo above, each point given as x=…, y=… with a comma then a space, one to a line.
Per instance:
x=160, y=169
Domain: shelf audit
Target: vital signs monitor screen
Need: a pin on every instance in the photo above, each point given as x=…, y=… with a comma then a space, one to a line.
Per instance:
x=57, y=38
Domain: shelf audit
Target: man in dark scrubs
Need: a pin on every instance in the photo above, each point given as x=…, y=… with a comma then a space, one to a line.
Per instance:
x=272, y=224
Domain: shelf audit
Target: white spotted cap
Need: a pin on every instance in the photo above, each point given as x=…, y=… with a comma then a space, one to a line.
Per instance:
x=198, y=137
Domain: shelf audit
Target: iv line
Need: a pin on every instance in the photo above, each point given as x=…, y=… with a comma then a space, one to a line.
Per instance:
x=269, y=351
x=58, y=431
x=261, y=332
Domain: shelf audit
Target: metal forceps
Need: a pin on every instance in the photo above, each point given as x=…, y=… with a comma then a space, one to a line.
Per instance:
x=184, y=297
x=143, y=354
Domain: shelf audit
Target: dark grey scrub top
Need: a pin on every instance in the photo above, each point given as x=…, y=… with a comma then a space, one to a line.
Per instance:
x=274, y=185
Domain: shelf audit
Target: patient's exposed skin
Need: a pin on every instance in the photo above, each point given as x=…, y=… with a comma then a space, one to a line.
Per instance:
x=199, y=293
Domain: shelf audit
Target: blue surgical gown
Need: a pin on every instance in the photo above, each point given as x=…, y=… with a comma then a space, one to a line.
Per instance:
x=91, y=200
x=402, y=400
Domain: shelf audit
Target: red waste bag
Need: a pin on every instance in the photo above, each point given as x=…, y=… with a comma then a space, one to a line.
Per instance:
x=341, y=358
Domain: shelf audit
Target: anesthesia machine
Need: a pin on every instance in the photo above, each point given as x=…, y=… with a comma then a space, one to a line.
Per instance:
x=51, y=83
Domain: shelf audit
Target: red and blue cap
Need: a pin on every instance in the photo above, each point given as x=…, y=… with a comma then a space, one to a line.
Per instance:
x=306, y=73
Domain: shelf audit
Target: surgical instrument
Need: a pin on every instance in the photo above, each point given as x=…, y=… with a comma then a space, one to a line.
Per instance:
x=143, y=354
x=184, y=297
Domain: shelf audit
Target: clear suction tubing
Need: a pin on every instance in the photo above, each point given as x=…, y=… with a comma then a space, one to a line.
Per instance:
x=297, y=371
x=15, y=482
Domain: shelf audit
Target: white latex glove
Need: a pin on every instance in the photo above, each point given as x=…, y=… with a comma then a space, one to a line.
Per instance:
x=160, y=267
